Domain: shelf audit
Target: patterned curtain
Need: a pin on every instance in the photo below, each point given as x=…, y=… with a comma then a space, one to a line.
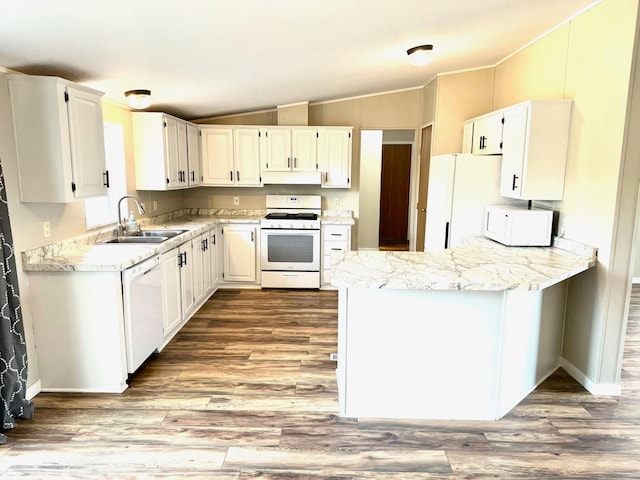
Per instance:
x=13, y=349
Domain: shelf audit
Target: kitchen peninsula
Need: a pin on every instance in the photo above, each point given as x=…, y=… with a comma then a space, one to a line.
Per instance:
x=462, y=333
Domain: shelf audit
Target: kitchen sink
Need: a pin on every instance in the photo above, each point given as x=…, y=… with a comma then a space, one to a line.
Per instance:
x=156, y=233
x=146, y=236
x=132, y=239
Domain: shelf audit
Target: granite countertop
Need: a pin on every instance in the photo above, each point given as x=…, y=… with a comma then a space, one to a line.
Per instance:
x=86, y=253
x=337, y=217
x=482, y=264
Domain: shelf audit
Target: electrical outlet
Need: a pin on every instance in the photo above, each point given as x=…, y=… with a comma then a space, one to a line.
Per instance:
x=236, y=200
x=47, y=228
x=155, y=205
x=336, y=202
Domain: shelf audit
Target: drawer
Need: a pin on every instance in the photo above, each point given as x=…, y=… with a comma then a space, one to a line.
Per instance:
x=336, y=232
x=333, y=246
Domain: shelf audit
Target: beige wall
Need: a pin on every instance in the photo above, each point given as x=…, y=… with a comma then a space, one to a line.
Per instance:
x=459, y=97
x=589, y=61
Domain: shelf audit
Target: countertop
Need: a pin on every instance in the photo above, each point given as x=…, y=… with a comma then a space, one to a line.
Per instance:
x=86, y=253
x=481, y=264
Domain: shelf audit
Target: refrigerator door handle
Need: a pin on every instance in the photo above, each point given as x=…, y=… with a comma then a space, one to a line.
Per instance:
x=446, y=235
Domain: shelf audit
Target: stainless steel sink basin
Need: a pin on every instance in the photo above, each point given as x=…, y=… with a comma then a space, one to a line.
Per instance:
x=146, y=236
x=158, y=233
x=136, y=240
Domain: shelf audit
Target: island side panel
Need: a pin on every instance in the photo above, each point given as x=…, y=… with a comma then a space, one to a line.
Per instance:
x=532, y=341
x=79, y=331
x=420, y=353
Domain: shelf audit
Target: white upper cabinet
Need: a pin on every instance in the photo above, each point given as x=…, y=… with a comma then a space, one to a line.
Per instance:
x=334, y=156
x=289, y=149
x=162, y=155
x=193, y=154
x=487, y=134
x=59, y=135
x=216, y=148
x=534, y=149
x=230, y=156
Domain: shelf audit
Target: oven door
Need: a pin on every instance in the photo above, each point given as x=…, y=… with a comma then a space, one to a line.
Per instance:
x=290, y=250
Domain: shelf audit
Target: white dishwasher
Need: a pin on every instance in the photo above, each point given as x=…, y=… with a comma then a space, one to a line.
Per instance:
x=142, y=295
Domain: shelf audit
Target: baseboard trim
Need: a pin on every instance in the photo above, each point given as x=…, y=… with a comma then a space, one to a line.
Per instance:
x=597, y=389
x=34, y=389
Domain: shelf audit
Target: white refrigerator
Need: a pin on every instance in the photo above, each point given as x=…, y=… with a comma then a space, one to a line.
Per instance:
x=460, y=187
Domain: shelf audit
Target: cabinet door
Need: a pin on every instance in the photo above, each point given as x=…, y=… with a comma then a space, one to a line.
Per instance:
x=86, y=133
x=198, y=249
x=193, y=154
x=513, y=153
x=171, y=294
x=171, y=152
x=215, y=253
x=304, y=149
x=278, y=149
x=239, y=253
x=334, y=156
x=217, y=156
x=186, y=279
x=182, y=163
x=207, y=280
x=487, y=135
x=247, y=156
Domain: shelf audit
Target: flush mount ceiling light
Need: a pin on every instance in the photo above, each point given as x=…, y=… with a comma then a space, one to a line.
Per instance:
x=138, y=99
x=420, y=55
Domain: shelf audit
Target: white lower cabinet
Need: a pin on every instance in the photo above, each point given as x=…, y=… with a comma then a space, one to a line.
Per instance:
x=171, y=293
x=214, y=241
x=187, y=264
x=334, y=238
x=239, y=253
x=78, y=322
x=204, y=281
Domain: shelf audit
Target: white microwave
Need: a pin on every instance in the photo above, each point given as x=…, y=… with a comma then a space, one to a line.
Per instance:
x=515, y=226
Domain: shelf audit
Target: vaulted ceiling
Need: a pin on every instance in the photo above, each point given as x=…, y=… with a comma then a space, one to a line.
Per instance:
x=203, y=58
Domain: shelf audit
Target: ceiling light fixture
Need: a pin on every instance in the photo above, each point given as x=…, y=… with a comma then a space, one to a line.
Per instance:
x=138, y=99
x=420, y=55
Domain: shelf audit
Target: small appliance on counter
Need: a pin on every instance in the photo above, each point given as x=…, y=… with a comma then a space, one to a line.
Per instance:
x=516, y=226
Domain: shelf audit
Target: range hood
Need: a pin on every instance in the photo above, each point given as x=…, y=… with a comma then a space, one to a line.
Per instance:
x=292, y=178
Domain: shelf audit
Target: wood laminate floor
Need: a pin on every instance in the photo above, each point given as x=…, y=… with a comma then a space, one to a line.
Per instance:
x=246, y=390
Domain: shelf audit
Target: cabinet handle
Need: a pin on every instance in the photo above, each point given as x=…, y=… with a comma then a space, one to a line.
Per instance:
x=252, y=236
x=106, y=178
x=288, y=162
x=180, y=260
x=214, y=238
x=237, y=175
x=446, y=235
x=231, y=175
x=326, y=177
x=513, y=184
x=185, y=257
x=193, y=175
x=295, y=162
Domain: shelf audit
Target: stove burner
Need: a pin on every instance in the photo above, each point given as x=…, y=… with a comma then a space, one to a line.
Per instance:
x=291, y=216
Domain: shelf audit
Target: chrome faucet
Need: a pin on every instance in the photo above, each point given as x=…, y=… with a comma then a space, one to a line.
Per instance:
x=122, y=221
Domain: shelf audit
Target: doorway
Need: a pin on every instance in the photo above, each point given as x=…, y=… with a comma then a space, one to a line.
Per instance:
x=395, y=180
